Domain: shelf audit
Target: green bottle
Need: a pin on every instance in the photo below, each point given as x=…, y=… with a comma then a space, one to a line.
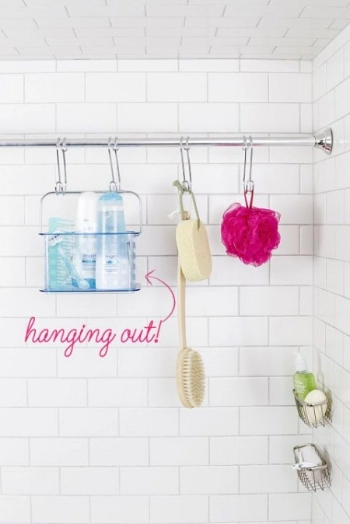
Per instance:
x=304, y=381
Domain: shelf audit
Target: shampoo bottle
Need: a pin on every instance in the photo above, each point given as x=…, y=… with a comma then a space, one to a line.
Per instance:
x=304, y=381
x=112, y=265
x=84, y=258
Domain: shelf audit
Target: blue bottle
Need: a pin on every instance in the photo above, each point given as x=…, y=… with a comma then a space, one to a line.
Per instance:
x=112, y=255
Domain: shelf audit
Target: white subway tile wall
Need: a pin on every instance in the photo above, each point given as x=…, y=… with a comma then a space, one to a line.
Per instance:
x=91, y=440
x=331, y=273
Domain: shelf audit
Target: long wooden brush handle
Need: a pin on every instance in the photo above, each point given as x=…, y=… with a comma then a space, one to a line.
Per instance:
x=181, y=311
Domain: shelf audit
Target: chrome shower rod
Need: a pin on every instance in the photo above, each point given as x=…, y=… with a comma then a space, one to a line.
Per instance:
x=322, y=140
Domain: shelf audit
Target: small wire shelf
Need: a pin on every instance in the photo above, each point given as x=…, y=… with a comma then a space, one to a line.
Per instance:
x=313, y=415
x=313, y=478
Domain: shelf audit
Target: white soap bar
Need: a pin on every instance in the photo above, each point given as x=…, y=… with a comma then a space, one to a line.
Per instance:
x=316, y=413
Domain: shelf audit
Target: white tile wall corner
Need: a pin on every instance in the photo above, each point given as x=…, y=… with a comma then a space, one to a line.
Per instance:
x=331, y=271
x=91, y=440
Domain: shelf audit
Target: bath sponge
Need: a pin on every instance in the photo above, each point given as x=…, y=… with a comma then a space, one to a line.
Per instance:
x=194, y=252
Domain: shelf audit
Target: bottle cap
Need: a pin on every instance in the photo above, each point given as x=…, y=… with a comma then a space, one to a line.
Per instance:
x=87, y=213
x=300, y=363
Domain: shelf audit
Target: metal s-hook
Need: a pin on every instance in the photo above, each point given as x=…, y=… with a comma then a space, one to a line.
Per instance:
x=61, y=148
x=187, y=184
x=248, y=185
x=113, y=185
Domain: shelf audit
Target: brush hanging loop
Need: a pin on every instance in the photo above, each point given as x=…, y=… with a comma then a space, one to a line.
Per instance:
x=61, y=149
x=114, y=186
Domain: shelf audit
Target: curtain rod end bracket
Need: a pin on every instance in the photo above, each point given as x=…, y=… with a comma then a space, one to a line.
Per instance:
x=324, y=140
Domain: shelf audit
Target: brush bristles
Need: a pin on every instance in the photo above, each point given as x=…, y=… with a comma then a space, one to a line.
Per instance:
x=193, y=378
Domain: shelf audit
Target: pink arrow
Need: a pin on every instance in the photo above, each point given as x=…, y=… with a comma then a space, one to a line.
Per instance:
x=149, y=277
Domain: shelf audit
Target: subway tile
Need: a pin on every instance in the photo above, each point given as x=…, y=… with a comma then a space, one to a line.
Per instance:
x=206, y=118
x=59, y=392
x=167, y=509
x=291, y=270
x=89, y=481
x=17, y=508
x=85, y=364
x=208, y=480
x=221, y=421
x=119, y=451
x=28, y=118
x=13, y=392
x=220, y=362
x=150, y=117
x=148, y=422
x=281, y=447
x=115, y=87
x=261, y=301
x=266, y=118
x=286, y=506
x=233, y=331
x=28, y=362
x=14, y=452
x=29, y=422
x=228, y=271
x=226, y=508
x=268, y=421
x=266, y=361
x=292, y=87
x=238, y=87
x=11, y=88
x=88, y=422
x=238, y=391
x=54, y=87
x=179, y=451
x=59, y=452
x=280, y=392
x=12, y=211
x=238, y=450
x=119, y=509
x=133, y=362
x=177, y=87
x=294, y=209
x=63, y=509
x=162, y=392
x=117, y=392
x=30, y=481
x=149, y=481
x=335, y=69
x=290, y=331
x=268, y=479
x=88, y=118
x=342, y=106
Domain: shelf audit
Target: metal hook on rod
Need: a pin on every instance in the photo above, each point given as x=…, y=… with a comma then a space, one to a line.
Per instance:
x=114, y=186
x=187, y=184
x=61, y=149
x=248, y=184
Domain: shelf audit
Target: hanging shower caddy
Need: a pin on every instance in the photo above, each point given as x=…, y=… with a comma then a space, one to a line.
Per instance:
x=62, y=243
x=313, y=415
x=315, y=474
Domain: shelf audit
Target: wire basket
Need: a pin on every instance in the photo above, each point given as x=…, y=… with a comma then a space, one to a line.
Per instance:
x=69, y=254
x=313, y=415
x=313, y=478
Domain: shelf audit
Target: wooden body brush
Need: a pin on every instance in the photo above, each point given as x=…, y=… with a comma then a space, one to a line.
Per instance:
x=190, y=376
x=194, y=253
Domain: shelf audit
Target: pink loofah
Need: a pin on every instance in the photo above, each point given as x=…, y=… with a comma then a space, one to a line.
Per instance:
x=250, y=233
